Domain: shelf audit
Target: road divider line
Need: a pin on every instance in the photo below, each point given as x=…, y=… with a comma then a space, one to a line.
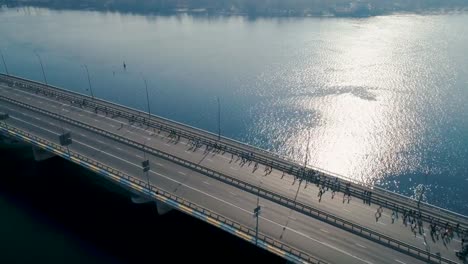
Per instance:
x=359, y=245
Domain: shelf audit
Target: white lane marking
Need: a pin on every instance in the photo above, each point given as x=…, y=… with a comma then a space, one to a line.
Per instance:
x=346, y=210
x=399, y=261
x=233, y=193
x=45, y=129
x=41, y=102
x=325, y=231
x=95, y=120
x=159, y=164
x=210, y=160
x=51, y=123
x=29, y=98
x=54, y=106
x=80, y=115
x=111, y=125
x=221, y=200
x=100, y=141
x=118, y=148
x=359, y=245
x=139, y=156
x=294, y=218
x=65, y=110
x=207, y=183
x=35, y=117
x=83, y=135
x=183, y=173
x=232, y=168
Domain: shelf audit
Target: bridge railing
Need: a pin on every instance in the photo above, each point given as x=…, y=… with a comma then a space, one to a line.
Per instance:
x=382, y=197
x=154, y=191
x=243, y=185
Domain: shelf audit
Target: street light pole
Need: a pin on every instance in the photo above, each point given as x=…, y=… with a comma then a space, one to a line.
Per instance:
x=307, y=150
x=147, y=100
x=145, y=163
x=146, y=168
x=421, y=193
x=65, y=138
x=89, y=80
x=256, y=213
x=219, y=119
x=307, y=154
x=4, y=63
x=42, y=67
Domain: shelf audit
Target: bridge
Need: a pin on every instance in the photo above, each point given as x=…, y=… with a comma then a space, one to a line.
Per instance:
x=263, y=198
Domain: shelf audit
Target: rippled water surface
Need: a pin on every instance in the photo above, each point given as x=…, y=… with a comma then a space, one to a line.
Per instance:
x=381, y=100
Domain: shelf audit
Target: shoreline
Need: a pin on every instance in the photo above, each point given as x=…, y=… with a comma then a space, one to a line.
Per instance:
x=203, y=12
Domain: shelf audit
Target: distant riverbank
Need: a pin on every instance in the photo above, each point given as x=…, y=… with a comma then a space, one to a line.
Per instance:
x=259, y=8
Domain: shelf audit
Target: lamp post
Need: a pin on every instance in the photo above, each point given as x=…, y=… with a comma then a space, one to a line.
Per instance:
x=306, y=156
x=257, y=213
x=421, y=194
x=145, y=164
x=147, y=99
x=4, y=63
x=219, y=118
x=89, y=80
x=146, y=168
x=42, y=67
x=65, y=138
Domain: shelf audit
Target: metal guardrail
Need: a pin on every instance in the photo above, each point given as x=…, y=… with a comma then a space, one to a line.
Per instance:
x=389, y=199
x=279, y=199
x=151, y=189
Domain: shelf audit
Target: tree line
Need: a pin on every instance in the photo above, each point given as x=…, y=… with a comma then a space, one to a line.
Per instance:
x=249, y=7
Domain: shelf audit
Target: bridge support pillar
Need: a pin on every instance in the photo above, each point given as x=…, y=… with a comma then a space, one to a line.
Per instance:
x=40, y=154
x=162, y=208
x=140, y=200
x=8, y=142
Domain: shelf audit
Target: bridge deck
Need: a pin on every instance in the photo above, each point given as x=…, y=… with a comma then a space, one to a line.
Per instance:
x=303, y=232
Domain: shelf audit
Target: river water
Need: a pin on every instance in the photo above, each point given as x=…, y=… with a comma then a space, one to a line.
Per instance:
x=382, y=100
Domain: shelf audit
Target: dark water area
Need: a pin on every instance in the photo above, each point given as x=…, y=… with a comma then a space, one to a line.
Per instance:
x=56, y=212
